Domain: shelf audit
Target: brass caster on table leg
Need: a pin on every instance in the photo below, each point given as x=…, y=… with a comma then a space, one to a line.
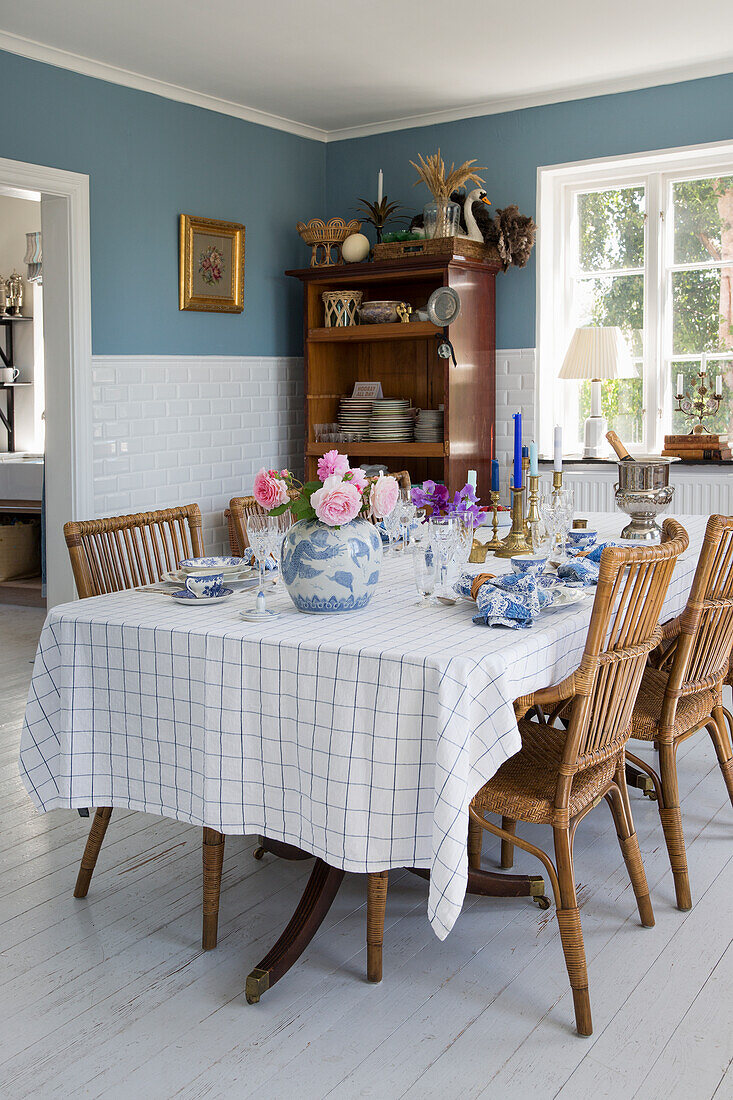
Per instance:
x=258, y=982
x=543, y=901
x=259, y=852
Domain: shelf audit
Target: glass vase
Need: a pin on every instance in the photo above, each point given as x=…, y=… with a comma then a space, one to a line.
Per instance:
x=441, y=218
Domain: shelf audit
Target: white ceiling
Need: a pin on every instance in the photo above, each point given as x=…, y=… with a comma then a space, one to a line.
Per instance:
x=329, y=68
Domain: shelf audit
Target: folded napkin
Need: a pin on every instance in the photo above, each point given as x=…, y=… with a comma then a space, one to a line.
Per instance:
x=582, y=569
x=512, y=600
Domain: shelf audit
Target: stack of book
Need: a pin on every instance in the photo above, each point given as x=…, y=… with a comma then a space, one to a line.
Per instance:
x=697, y=446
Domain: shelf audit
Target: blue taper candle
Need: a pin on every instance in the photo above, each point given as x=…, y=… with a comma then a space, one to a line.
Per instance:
x=517, y=450
x=495, y=475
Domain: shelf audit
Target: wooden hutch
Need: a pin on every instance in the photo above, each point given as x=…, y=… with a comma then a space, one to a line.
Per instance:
x=404, y=358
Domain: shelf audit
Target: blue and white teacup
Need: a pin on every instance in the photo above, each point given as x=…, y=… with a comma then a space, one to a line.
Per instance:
x=582, y=539
x=205, y=584
x=529, y=563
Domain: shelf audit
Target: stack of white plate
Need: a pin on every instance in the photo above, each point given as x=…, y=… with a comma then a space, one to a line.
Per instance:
x=354, y=415
x=429, y=426
x=392, y=421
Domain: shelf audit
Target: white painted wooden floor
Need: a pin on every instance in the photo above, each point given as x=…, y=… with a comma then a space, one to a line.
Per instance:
x=111, y=996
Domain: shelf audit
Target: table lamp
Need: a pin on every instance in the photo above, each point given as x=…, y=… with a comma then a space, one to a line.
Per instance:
x=597, y=354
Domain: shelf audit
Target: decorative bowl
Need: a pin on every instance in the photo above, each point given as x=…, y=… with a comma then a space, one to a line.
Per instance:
x=529, y=563
x=379, y=313
x=582, y=539
x=208, y=565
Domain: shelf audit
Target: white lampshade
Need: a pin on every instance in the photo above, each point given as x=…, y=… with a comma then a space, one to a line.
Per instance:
x=596, y=353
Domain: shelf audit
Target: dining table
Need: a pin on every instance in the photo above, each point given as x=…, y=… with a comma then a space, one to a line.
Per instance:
x=357, y=738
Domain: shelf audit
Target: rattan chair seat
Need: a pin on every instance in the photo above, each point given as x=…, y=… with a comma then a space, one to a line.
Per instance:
x=524, y=788
x=693, y=711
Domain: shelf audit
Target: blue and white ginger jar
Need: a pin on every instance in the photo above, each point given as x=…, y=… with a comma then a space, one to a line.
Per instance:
x=330, y=569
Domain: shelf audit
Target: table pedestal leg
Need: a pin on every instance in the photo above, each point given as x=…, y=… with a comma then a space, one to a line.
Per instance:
x=317, y=899
x=491, y=885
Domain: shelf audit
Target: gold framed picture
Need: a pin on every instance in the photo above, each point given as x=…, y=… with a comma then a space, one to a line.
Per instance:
x=211, y=259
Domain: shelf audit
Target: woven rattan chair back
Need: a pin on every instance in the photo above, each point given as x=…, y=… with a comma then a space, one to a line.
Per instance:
x=624, y=628
x=239, y=509
x=109, y=555
x=701, y=653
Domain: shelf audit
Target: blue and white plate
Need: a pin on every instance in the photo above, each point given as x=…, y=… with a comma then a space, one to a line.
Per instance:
x=184, y=596
x=246, y=579
x=214, y=564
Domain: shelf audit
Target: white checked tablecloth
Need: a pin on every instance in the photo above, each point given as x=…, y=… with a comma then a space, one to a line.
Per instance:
x=360, y=738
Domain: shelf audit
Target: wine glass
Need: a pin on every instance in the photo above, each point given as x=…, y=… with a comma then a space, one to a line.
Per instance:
x=564, y=509
x=278, y=528
x=444, y=535
x=265, y=536
x=392, y=526
x=464, y=541
x=425, y=564
x=407, y=511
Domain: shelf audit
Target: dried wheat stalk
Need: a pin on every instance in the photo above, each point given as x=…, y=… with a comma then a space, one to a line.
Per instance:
x=431, y=172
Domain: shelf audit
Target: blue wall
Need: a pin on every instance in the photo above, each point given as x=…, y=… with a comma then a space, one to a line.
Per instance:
x=514, y=144
x=150, y=159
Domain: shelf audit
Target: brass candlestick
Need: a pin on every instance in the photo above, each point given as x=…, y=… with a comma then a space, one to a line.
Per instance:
x=557, y=479
x=516, y=540
x=533, y=496
x=496, y=542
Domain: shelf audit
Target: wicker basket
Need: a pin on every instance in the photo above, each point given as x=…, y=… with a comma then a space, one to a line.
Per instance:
x=341, y=307
x=438, y=246
x=325, y=237
x=20, y=549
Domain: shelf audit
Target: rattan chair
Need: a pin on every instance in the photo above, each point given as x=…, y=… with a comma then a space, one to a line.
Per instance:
x=681, y=689
x=560, y=774
x=110, y=555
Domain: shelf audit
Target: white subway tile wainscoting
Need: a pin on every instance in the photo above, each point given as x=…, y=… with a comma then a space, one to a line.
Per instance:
x=182, y=429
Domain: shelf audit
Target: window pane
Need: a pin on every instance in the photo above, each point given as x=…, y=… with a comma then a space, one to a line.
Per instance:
x=612, y=300
x=719, y=424
x=703, y=220
x=611, y=229
x=702, y=315
x=621, y=403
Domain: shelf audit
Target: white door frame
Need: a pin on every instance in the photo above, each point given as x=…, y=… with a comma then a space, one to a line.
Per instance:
x=68, y=344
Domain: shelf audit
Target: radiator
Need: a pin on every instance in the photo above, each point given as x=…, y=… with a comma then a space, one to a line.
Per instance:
x=698, y=491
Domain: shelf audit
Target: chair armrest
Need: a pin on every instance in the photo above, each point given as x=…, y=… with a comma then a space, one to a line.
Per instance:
x=547, y=698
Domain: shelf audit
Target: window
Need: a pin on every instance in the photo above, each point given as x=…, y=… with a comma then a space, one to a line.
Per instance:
x=645, y=244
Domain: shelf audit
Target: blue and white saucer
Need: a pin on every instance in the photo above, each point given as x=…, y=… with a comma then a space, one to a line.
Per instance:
x=185, y=596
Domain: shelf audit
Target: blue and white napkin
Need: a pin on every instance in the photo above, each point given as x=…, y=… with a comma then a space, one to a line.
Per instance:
x=513, y=600
x=583, y=568
x=249, y=555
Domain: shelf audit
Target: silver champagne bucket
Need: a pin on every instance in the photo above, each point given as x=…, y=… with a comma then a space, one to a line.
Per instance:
x=643, y=491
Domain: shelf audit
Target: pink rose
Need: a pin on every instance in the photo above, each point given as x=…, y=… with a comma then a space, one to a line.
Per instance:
x=269, y=490
x=338, y=502
x=384, y=495
x=359, y=478
x=332, y=463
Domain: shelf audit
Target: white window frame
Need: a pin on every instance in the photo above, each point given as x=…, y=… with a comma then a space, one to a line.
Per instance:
x=556, y=188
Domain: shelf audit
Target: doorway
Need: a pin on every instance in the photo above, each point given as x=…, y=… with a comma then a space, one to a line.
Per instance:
x=65, y=303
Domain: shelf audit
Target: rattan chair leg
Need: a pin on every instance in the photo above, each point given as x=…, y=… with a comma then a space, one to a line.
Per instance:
x=507, y=848
x=212, y=851
x=632, y=856
x=571, y=932
x=670, y=814
x=721, y=741
x=91, y=851
x=376, y=906
x=475, y=843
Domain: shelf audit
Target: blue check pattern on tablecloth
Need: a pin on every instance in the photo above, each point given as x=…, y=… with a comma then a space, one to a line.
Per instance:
x=360, y=738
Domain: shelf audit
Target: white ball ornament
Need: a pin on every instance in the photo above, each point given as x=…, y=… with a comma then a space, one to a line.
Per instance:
x=355, y=248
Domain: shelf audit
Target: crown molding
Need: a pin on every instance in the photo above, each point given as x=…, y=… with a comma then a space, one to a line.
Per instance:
x=101, y=70
x=567, y=93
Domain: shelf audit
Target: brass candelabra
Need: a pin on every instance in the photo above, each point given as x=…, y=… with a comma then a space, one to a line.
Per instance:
x=533, y=509
x=557, y=479
x=700, y=405
x=516, y=541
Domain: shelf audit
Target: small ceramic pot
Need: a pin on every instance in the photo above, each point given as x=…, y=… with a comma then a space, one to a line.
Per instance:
x=379, y=313
x=331, y=569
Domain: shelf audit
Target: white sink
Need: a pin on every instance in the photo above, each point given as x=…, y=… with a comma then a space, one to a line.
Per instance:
x=21, y=476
